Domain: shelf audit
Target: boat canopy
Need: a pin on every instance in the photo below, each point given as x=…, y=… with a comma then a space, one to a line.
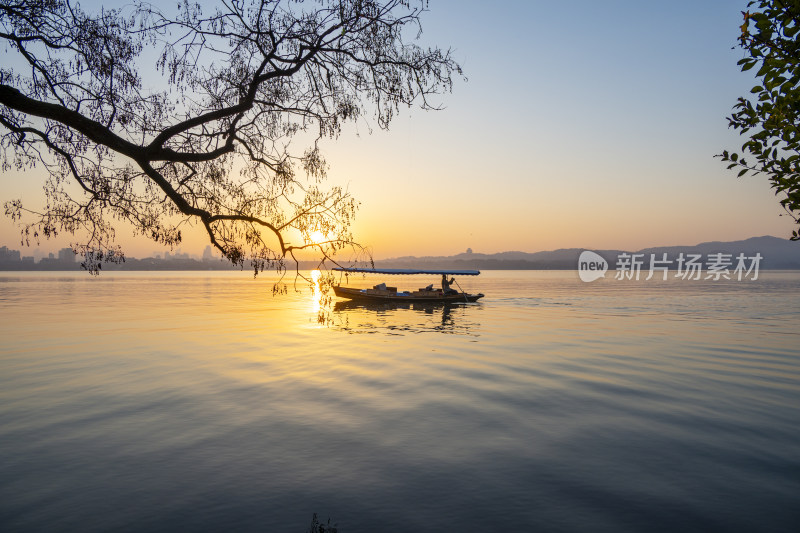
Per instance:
x=408, y=271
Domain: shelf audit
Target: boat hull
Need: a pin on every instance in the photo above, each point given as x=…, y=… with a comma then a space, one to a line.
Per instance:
x=362, y=295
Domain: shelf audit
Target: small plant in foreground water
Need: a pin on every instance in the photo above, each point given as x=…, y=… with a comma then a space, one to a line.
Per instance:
x=319, y=527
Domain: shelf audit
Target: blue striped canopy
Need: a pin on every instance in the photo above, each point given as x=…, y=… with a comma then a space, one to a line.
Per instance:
x=408, y=271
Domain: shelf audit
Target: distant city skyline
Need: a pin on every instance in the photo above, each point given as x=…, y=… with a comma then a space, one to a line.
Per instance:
x=10, y=253
x=63, y=255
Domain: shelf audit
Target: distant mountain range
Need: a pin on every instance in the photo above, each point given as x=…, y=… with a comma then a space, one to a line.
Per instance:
x=777, y=254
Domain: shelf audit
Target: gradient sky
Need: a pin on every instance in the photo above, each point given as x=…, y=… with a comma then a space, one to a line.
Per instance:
x=582, y=124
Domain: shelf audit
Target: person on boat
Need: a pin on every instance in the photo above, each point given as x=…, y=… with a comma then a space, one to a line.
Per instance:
x=446, y=285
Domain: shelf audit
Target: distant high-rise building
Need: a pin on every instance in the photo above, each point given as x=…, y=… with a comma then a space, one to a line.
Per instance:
x=9, y=256
x=66, y=255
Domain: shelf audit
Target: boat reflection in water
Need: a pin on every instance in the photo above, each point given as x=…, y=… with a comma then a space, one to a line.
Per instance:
x=387, y=309
x=398, y=318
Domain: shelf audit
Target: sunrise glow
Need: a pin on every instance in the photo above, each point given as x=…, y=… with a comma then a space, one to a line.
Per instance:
x=399, y=265
x=317, y=237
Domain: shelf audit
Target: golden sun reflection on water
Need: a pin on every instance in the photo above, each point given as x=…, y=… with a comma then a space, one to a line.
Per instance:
x=316, y=305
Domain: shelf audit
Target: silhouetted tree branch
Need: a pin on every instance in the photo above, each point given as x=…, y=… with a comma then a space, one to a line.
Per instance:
x=157, y=118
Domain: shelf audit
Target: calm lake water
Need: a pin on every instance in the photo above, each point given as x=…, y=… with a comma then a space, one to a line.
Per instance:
x=199, y=402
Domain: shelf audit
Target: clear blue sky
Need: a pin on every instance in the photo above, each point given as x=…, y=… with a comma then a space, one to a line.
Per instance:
x=586, y=124
x=582, y=124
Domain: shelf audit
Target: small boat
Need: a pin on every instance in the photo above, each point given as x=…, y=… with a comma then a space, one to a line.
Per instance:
x=383, y=293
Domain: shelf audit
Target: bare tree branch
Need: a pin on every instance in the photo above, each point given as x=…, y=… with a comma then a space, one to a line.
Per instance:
x=213, y=135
